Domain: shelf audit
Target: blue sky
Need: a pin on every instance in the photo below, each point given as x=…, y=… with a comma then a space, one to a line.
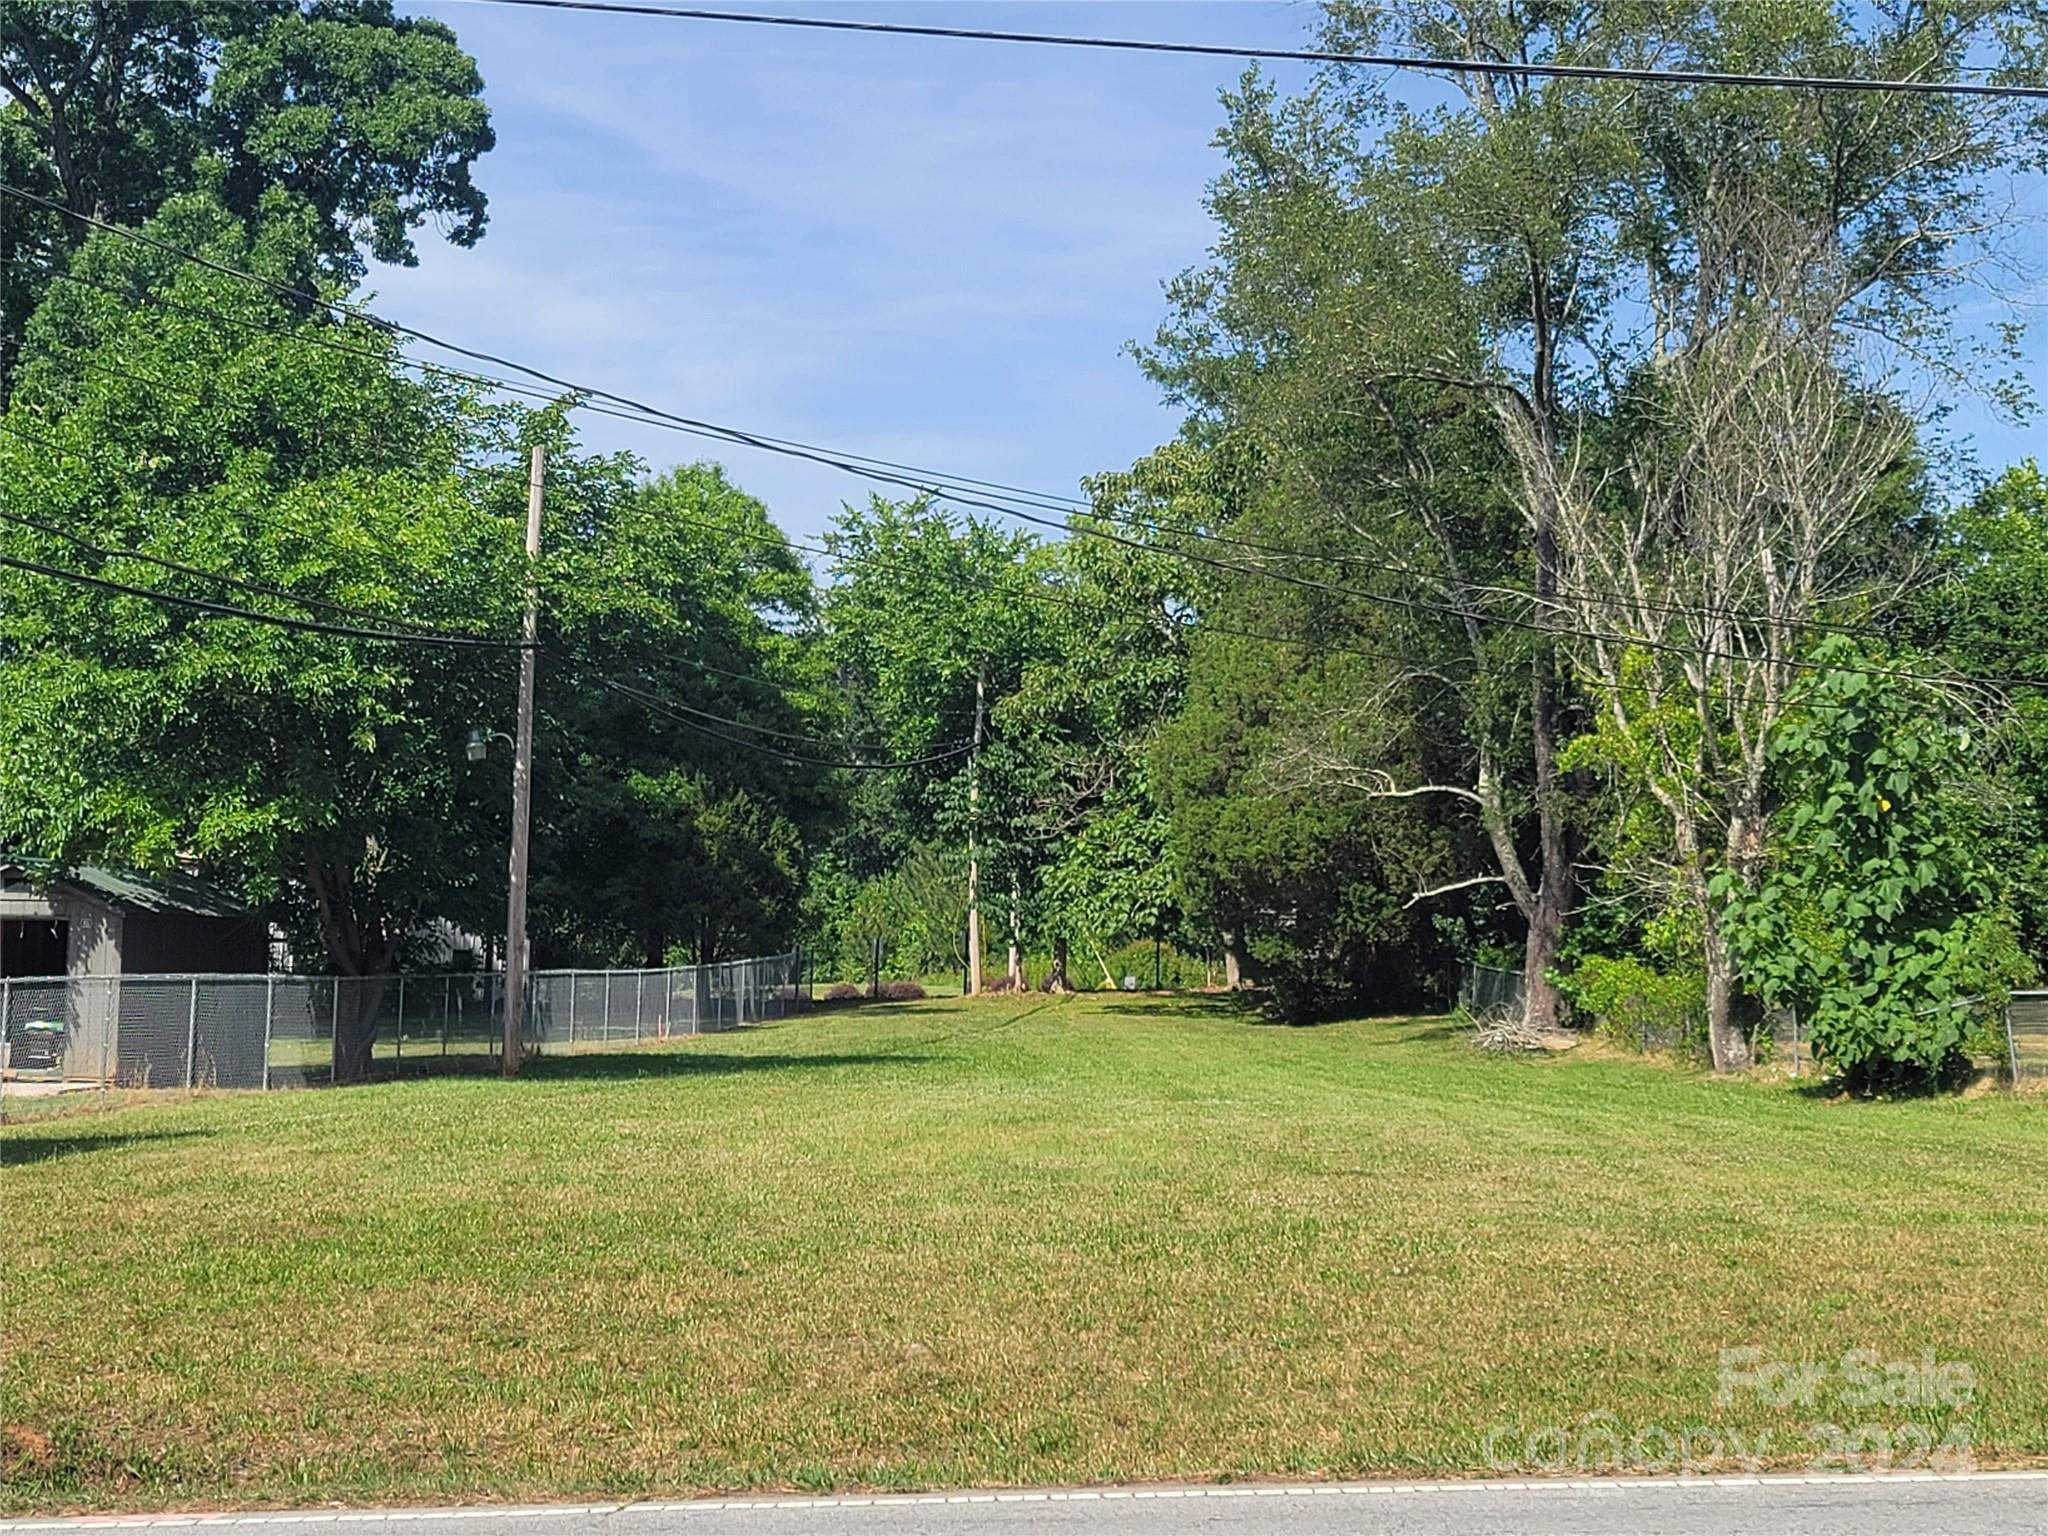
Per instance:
x=921, y=250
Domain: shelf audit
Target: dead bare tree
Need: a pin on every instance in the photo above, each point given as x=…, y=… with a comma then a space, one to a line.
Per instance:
x=1744, y=519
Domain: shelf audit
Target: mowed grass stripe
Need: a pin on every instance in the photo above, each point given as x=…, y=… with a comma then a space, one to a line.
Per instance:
x=1004, y=1242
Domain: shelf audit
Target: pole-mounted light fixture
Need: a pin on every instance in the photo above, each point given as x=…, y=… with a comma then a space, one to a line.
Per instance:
x=479, y=745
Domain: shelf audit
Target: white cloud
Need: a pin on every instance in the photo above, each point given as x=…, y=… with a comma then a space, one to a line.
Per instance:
x=926, y=252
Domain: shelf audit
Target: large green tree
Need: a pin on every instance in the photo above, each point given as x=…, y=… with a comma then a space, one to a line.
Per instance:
x=1109, y=672
x=367, y=120
x=1396, y=294
x=195, y=445
x=181, y=431
x=1503, y=286
x=685, y=727
x=1875, y=913
x=931, y=621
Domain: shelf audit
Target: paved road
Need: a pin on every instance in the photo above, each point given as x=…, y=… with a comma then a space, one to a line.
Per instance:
x=1987, y=1504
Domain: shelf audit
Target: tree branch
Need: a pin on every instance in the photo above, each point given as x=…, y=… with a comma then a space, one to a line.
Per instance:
x=1453, y=885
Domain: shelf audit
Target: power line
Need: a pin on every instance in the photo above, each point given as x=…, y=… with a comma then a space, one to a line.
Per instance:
x=762, y=681
x=1446, y=610
x=683, y=714
x=911, y=477
x=942, y=491
x=758, y=680
x=934, y=485
x=1425, y=63
x=743, y=725
x=376, y=552
x=682, y=717
x=215, y=610
x=1061, y=599
x=881, y=470
x=394, y=328
x=223, y=578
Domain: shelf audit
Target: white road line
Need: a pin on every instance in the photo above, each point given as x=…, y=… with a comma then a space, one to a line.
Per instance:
x=557, y=1512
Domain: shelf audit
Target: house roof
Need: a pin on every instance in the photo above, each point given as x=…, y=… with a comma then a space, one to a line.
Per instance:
x=174, y=893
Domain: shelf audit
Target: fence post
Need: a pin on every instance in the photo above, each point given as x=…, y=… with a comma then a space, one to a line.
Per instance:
x=607, y=1007
x=269, y=1018
x=447, y=991
x=639, y=995
x=2012, y=1051
x=191, y=1031
x=572, y=1010
x=398, y=1034
x=111, y=1014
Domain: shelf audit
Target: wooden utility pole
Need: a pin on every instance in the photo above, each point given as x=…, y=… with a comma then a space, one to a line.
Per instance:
x=522, y=780
x=974, y=839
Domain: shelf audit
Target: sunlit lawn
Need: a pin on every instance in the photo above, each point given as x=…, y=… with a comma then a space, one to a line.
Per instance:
x=1014, y=1241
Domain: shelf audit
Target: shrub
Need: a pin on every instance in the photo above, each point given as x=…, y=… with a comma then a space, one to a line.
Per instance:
x=899, y=992
x=843, y=992
x=1638, y=1005
x=1876, y=917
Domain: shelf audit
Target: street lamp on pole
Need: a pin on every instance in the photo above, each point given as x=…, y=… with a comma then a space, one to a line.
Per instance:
x=479, y=746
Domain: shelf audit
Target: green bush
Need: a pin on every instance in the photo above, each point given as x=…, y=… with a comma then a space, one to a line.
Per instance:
x=918, y=911
x=1638, y=1005
x=1876, y=917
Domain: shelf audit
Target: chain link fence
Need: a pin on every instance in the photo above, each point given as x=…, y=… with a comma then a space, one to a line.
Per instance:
x=1490, y=989
x=2026, y=1036
x=279, y=1031
x=1485, y=990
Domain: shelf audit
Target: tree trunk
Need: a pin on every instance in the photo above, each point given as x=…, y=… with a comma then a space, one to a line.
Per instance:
x=1726, y=1041
x=362, y=944
x=356, y=1011
x=1233, y=960
x=1542, y=1002
x=1551, y=901
x=1057, y=981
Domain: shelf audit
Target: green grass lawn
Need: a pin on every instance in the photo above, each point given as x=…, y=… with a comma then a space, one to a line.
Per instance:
x=1014, y=1241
